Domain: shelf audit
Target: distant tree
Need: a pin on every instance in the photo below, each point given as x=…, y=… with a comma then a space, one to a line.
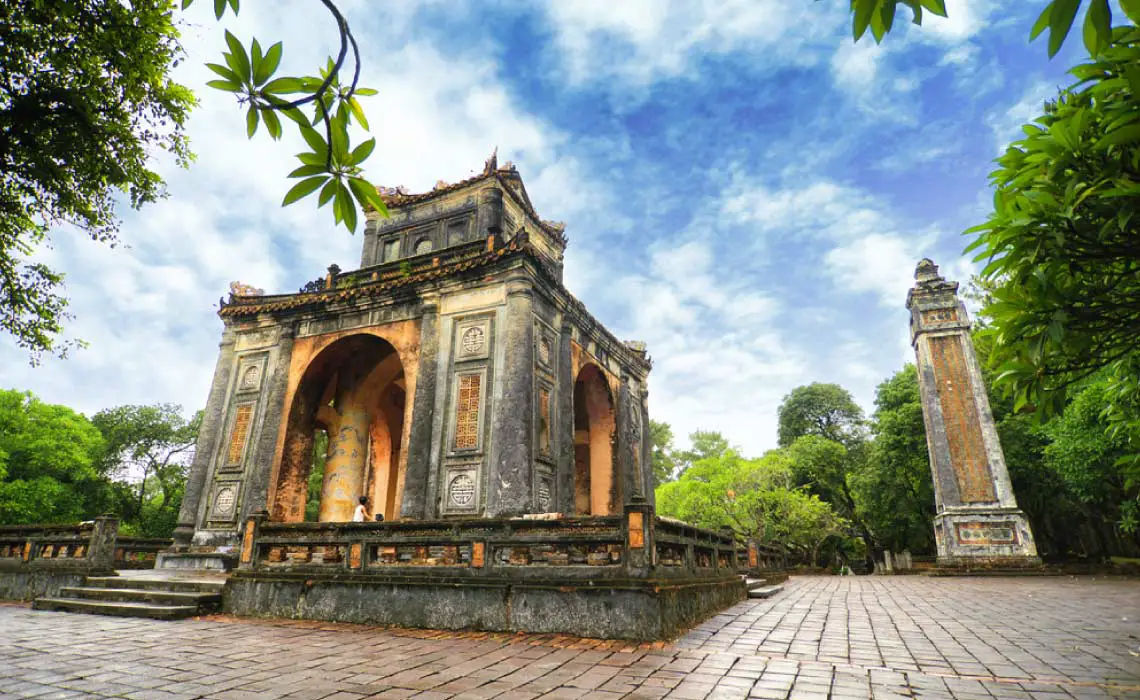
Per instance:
x=893, y=490
x=703, y=444
x=144, y=442
x=49, y=458
x=317, y=476
x=826, y=410
x=664, y=463
x=756, y=498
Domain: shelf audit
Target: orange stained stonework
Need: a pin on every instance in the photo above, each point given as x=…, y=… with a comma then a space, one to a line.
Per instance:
x=596, y=484
x=247, y=543
x=404, y=337
x=963, y=425
x=636, y=530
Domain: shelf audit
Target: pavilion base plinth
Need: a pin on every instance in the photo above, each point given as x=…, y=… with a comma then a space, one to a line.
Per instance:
x=985, y=538
x=611, y=609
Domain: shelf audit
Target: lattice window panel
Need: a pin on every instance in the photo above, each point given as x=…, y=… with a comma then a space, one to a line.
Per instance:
x=242, y=419
x=467, y=412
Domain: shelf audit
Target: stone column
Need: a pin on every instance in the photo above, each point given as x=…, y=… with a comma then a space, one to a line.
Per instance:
x=208, y=435
x=510, y=486
x=344, y=469
x=264, y=447
x=646, y=448
x=628, y=439
x=977, y=521
x=564, y=470
x=414, y=505
x=101, y=546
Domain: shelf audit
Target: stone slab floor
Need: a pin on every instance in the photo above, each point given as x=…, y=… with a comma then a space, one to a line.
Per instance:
x=823, y=637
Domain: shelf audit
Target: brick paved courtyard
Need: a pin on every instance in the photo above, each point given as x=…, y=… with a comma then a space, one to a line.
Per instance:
x=822, y=637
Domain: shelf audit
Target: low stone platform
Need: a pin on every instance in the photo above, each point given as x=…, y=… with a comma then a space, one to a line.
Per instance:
x=626, y=577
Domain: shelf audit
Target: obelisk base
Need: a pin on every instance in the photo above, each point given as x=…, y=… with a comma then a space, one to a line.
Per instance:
x=984, y=537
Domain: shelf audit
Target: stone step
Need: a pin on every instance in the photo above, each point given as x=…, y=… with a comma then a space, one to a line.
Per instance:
x=764, y=591
x=188, y=586
x=754, y=583
x=143, y=595
x=124, y=609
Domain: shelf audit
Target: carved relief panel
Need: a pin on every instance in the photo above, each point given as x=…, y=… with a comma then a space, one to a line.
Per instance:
x=467, y=415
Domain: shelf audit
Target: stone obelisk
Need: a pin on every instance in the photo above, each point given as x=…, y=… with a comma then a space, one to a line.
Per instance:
x=977, y=522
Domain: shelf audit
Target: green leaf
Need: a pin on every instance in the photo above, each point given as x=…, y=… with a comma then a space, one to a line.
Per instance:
x=887, y=15
x=255, y=57
x=302, y=189
x=224, y=72
x=1132, y=9
x=348, y=209
x=937, y=7
x=357, y=112
x=327, y=192
x=235, y=4
x=1098, y=27
x=1126, y=134
x=361, y=152
x=864, y=11
x=237, y=57
x=224, y=85
x=1060, y=22
x=365, y=193
x=219, y=8
x=307, y=171
x=272, y=123
x=365, y=92
x=315, y=141
x=1041, y=23
x=283, y=86
x=251, y=121
x=272, y=61
x=187, y=3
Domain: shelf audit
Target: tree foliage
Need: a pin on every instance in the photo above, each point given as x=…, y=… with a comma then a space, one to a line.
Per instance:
x=85, y=99
x=824, y=410
x=664, y=462
x=756, y=498
x=144, y=442
x=1063, y=249
x=49, y=462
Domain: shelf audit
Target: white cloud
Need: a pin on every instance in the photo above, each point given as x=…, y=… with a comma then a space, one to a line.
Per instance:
x=641, y=41
x=881, y=263
x=1006, y=123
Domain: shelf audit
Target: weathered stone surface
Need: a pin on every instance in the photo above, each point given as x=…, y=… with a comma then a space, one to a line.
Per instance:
x=977, y=518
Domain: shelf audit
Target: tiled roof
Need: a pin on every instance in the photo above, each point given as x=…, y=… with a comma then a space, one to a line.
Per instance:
x=396, y=197
x=252, y=305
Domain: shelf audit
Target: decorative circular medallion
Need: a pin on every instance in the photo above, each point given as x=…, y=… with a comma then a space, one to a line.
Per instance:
x=249, y=379
x=474, y=340
x=543, y=495
x=224, y=501
x=462, y=490
x=544, y=351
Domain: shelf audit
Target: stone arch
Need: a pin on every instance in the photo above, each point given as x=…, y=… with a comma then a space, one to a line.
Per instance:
x=355, y=390
x=596, y=486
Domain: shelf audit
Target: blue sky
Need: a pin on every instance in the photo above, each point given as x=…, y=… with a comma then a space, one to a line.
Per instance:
x=744, y=188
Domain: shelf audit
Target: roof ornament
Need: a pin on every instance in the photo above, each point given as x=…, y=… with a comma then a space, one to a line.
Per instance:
x=238, y=289
x=441, y=184
x=926, y=271
x=492, y=163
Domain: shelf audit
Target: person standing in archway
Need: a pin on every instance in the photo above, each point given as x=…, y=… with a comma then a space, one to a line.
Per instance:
x=361, y=514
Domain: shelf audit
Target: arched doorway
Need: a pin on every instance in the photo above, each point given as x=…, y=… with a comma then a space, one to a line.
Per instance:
x=354, y=392
x=595, y=488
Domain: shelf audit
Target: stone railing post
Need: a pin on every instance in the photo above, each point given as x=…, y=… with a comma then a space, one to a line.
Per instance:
x=101, y=545
x=248, y=558
x=638, y=527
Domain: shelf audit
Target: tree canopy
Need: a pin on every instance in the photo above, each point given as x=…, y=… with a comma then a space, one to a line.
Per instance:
x=824, y=410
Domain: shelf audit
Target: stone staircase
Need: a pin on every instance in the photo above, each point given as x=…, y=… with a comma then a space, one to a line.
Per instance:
x=154, y=597
x=759, y=588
